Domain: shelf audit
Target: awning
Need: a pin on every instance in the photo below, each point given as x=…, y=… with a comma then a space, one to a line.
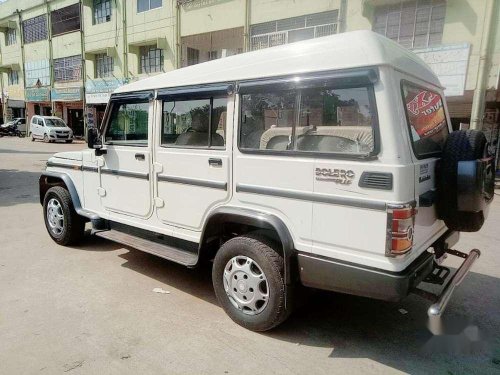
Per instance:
x=8, y=67
x=7, y=24
x=108, y=51
x=16, y=103
x=155, y=42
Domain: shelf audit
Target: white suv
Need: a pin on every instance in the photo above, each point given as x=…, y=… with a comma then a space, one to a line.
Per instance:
x=328, y=163
x=50, y=129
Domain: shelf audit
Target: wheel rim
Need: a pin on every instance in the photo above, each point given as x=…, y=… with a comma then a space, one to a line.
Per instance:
x=55, y=216
x=246, y=285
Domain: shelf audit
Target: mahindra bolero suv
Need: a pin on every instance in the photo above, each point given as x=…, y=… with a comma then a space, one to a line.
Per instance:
x=329, y=163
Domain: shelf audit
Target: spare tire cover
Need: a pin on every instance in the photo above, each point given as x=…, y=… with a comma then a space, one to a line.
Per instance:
x=463, y=145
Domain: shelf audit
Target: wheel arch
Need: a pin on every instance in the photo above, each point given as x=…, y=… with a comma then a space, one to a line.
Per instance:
x=214, y=228
x=49, y=179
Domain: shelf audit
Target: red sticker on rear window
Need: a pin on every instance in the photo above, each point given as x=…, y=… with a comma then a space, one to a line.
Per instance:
x=425, y=112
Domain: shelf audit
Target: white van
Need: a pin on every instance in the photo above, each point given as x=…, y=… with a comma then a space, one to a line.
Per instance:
x=322, y=163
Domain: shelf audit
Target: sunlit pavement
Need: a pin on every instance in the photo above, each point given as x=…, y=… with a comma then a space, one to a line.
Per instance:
x=92, y=310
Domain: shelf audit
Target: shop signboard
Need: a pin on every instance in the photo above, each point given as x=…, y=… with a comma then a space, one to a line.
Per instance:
x=66, y=94
x=37, y=94
x=98, y=91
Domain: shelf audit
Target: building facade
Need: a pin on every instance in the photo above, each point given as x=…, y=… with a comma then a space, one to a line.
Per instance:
x=65, y=57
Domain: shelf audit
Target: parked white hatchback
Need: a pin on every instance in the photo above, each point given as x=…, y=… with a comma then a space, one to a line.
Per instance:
x=50, y=129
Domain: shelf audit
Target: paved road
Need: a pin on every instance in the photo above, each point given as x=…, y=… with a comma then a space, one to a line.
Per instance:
x=91, y=309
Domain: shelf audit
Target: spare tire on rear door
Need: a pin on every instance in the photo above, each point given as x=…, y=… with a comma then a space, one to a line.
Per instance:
x=465, y=181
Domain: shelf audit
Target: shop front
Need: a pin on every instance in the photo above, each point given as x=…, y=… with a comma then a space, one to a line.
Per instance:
x=68, y=105
x=37, y=102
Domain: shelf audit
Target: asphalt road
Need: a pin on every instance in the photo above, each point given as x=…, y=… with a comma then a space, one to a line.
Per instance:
x=92, y=310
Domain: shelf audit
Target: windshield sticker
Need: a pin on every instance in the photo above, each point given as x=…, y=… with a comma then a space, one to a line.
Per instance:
x=426, y=113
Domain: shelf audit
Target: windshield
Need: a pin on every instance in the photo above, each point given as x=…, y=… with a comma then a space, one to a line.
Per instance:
x=55, y=123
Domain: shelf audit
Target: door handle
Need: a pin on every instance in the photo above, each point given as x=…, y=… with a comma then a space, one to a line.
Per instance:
x=215, y=162
x=140, y=157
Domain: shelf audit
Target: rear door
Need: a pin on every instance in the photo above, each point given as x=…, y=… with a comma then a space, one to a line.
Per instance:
x=192, y=154
x=428, y=127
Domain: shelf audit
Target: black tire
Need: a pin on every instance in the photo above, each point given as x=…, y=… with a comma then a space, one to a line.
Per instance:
x=73, y=224
x=69, y=141
x=463, y=145
x=46, y=138
x=32, y=138
x=266, y=254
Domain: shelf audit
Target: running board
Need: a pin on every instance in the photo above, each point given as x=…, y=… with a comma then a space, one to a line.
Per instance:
x=171, y=253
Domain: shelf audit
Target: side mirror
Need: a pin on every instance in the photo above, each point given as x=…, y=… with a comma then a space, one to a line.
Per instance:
x=94, y=141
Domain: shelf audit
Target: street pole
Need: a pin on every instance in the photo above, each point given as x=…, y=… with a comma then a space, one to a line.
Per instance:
x=479, y=99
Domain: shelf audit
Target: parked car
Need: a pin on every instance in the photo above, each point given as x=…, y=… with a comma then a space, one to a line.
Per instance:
x=50, y=129
x=313, y=163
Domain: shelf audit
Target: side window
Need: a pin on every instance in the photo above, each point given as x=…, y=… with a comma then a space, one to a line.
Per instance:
x=267, y=120
x=314, y=118
x=40, y=122
x=426, y=119
x=194, y=123
x=128, y=124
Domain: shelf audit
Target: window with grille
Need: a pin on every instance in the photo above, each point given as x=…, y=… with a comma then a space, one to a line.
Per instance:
x=144, y=5
x=102, y=11
x=10, y=37
x=13, y=77
x=151, y=59
x=103, y=66
x=413, y=24
x=289, y=30
x=66, y=19
x=35, y=29
x=68, y=68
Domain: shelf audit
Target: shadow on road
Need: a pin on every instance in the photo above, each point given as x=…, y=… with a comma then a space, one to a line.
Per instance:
x=355, y=327
x=7, y=151
x=18, y=187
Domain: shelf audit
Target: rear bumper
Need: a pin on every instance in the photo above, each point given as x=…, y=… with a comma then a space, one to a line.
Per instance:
x=351, y=278
x=335, y=275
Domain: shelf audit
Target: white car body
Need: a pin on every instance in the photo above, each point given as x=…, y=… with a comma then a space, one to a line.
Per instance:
x=336, y=208
x=41, y=128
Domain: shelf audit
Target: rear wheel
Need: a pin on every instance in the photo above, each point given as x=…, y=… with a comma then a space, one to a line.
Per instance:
x=64, y=225
x=248, y=280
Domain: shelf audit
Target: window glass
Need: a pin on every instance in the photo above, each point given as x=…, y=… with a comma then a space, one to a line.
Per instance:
x=427, y=120
x=102, y=11
x=10, y=37
x=151, y=59
x=103, y=65
x=35, y=29
x=128, y=124
x=267, y=120
x=144, y=5
x=314, y=119
x=68, y=68
x=194, y=123
x=65, y=19
x=55, y=123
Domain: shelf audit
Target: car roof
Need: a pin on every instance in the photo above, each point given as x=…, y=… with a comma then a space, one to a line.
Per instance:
x=47, y=117
x=342, y=51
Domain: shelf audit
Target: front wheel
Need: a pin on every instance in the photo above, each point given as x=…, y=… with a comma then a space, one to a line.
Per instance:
x=46, y=138
x=248, y=280
x=64, y=225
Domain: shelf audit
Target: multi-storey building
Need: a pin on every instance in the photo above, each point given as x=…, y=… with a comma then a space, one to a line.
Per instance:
x=65, y=57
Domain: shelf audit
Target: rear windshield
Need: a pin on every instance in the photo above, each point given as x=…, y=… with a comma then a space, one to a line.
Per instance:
x=426, y=119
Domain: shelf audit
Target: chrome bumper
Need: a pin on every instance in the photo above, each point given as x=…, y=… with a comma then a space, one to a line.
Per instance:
x=438, y=307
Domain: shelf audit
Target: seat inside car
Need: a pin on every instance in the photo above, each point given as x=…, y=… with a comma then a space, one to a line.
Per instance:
x=197, y=134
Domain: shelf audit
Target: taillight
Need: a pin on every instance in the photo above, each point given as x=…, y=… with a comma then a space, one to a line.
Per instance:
x=400, y=224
